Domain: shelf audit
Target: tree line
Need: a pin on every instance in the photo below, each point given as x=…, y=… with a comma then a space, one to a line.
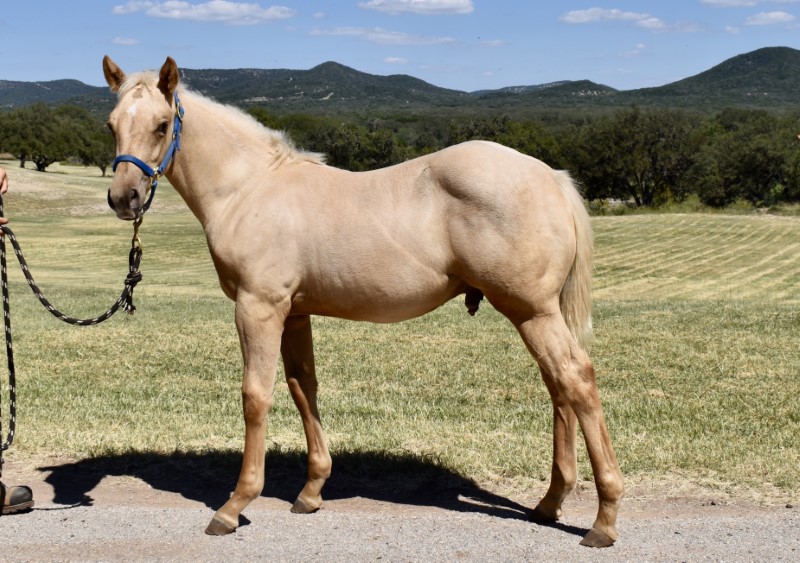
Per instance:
x=641, y=157
x=644, y=157
x=43, y=135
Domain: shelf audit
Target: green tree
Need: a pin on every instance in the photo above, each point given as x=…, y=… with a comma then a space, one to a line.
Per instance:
x=37, y=133
x=747, y=155
x=89, y=140
x=527, y=137
x=635, y=155
x=486, y=129
x=346, y=144
x=533, y=139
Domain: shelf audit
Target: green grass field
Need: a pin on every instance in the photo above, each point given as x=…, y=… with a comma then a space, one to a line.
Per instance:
x=697, y=326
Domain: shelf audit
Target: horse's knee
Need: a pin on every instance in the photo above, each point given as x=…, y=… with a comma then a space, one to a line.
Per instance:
x=256, y=404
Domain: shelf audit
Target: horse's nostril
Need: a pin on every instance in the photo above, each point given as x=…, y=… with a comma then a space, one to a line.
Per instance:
x=134, y=196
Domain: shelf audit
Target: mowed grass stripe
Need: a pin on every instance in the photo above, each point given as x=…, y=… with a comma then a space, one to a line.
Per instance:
x=633, y=263
x=749, y=257
x=669, y=245
x=773, y=276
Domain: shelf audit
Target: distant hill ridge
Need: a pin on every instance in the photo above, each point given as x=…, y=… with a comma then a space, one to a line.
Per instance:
x=328, y=81
x=768, y=78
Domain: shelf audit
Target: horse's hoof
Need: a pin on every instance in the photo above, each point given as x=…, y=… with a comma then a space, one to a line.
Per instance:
x=596, y=538
x=302, y=507
x=539, y=516
x=219, y=528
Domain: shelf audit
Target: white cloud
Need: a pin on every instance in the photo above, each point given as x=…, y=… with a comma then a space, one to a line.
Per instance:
x=770, y=18
x=494, y=43
x=733, y=30
x=124, y=41
x=396, y=60
x=224, y=11
x=132, y=6
x=420, y=7
x=730, y=3
x=653, y=24
x=593, y=15
x=638, y=19
x=635, y=52
x=383, y=36
x=743, y=3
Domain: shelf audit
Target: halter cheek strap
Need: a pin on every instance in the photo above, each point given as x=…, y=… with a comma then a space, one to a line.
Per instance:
x=155, y=174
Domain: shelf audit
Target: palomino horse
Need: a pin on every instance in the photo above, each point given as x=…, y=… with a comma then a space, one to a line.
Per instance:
x=291, y=237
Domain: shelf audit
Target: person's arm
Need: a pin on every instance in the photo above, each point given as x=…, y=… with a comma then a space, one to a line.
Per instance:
x=3, y=189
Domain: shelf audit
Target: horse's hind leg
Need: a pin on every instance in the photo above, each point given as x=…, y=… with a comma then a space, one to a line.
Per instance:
x=564, y=474
x=298, y=360
x=570, y=376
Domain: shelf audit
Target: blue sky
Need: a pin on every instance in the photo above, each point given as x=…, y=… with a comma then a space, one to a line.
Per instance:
x=461, y=44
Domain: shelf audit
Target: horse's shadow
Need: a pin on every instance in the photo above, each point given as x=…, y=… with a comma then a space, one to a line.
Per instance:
x=209, y=477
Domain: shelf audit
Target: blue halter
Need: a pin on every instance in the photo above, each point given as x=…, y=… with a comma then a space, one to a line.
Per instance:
x=155, y=174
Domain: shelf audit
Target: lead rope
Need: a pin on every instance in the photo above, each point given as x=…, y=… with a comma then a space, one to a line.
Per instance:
x=125, y=302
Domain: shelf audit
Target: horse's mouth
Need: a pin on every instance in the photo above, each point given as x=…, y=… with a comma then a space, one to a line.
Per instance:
x=126, y=208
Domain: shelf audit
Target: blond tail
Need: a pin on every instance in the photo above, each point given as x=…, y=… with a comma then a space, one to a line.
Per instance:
x=576, y=295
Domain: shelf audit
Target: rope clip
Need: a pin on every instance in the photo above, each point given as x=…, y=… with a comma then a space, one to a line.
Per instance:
x=136, y=242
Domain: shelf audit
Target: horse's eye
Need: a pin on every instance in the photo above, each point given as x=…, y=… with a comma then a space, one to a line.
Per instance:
x=162, y=129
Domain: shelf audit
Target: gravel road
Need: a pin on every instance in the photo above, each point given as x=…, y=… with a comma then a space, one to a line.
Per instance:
x=86, y=515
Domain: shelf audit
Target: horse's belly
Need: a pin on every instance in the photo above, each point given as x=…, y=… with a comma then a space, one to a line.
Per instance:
x=378, y=301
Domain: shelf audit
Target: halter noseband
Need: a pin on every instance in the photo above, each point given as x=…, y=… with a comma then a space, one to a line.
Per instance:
x=155, y=174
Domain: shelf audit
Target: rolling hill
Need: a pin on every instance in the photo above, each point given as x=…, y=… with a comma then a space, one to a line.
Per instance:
x=15, y=94
x=328, y=84
x=766, y=78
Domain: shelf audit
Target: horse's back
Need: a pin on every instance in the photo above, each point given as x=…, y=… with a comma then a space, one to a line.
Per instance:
x=486, y=169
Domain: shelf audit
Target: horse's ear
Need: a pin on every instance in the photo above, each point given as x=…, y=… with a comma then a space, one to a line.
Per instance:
x=168, y=78
x=114, y=75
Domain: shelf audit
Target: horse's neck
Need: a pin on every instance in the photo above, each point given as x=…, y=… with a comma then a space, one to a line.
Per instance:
x=204, y=170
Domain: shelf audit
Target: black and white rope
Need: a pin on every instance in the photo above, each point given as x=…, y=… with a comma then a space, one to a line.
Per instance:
x=125, y=302
x=12, y=384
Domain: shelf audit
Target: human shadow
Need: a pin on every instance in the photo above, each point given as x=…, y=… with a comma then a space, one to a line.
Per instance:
x=209, y=478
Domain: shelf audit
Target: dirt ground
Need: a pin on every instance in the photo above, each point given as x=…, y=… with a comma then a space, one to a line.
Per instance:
x=141, y=509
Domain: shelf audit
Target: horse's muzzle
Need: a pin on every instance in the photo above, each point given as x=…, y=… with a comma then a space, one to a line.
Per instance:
x=125, y=208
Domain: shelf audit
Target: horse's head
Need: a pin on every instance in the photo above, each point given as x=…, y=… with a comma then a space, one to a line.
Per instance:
x=142, y=124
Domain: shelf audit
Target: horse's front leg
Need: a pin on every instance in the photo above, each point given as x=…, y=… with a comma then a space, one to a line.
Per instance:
x=298, y=359
x=260, y=326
